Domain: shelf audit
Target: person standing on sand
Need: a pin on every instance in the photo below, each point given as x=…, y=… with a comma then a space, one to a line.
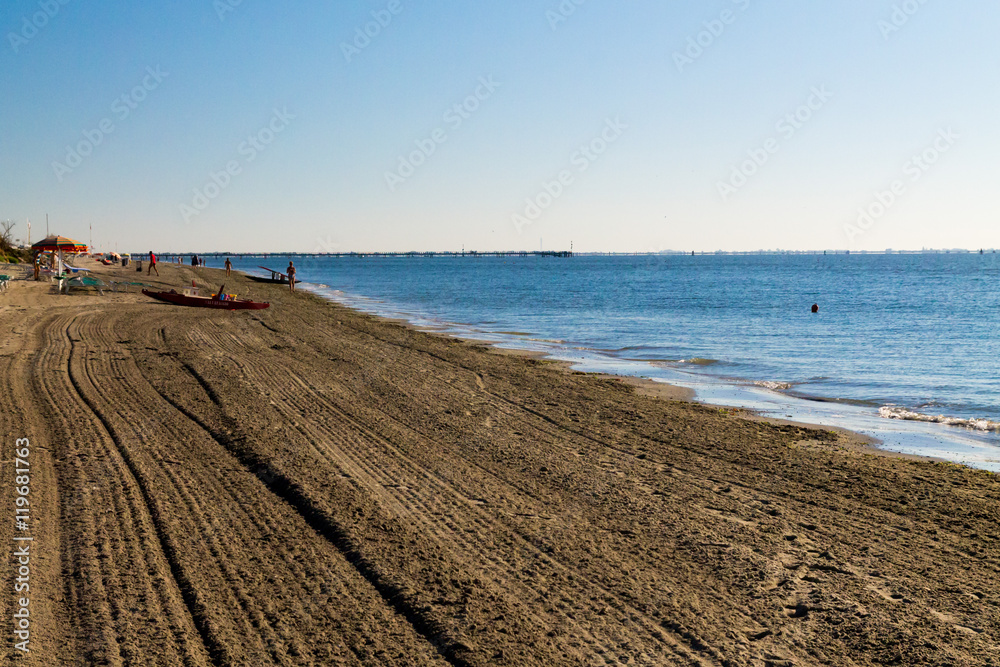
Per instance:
x=229, y=266
x=152, y=264
x=291, y=276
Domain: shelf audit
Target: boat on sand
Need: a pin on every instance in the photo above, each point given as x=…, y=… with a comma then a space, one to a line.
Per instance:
x=277, y=277
x=220, y=300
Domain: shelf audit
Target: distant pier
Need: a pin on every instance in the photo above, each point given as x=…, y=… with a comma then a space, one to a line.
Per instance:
x=432, y=253
x=467, y=253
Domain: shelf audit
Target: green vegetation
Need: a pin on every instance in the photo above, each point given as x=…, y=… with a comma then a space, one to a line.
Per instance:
x=8, y=253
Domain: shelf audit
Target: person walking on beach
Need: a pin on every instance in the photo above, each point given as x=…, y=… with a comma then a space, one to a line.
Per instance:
x=194, y=260
x=229, y=266
x=291, y=276
x=152, y=264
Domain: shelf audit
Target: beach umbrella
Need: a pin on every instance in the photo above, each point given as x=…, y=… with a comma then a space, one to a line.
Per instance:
x=58, y=244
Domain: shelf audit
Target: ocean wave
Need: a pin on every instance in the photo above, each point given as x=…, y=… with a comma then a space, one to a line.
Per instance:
x=698, y=361
x=897, y=412
x=775, y=386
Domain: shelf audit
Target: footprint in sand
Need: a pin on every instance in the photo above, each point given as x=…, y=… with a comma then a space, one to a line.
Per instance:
x=885, y=595
x=951, y=620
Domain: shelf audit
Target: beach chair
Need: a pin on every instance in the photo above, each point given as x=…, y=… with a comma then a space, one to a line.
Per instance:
x=6, y=274
x=67, y=268
x=86, y=281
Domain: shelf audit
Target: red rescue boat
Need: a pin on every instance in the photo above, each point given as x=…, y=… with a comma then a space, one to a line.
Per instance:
x=215, y=301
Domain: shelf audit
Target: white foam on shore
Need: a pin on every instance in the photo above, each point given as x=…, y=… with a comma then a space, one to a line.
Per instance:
x=772, y=385
x=896, y=412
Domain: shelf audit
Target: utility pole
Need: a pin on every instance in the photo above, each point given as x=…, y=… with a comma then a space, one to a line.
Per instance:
x=29, y=233
x=46, y=225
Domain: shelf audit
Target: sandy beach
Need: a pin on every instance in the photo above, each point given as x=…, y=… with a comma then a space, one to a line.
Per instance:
x=308, y=485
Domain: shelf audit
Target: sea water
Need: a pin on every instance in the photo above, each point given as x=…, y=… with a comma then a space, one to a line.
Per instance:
x=904, y=346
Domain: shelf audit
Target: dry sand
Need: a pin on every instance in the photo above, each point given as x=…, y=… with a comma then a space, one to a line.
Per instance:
x=307, y=485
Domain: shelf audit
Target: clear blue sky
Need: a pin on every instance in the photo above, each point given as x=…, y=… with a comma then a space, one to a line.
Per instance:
x=667, y=123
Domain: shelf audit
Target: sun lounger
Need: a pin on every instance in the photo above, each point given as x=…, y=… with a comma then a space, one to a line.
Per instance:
x=4, y=281
x=72, y=269
x=86, y=281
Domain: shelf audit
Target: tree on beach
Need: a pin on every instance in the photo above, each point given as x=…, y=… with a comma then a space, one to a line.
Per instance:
x=6, y=233
x=7, y=249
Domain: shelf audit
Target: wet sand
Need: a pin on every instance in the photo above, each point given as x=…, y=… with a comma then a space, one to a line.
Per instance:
x=307, y=485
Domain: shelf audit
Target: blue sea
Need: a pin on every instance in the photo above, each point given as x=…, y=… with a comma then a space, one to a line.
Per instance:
x=904, y=347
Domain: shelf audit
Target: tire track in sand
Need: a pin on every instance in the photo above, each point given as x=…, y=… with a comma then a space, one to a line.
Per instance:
x=288, y=491
x=279, y=592
x=115, y=576
x=216, y=651
x=436, y=500
x=553, y=432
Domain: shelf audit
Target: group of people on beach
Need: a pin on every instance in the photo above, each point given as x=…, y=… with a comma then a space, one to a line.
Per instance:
x=195, y=261
x=198, y=261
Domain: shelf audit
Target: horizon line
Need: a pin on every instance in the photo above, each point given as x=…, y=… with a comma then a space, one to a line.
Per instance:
x=569, y=253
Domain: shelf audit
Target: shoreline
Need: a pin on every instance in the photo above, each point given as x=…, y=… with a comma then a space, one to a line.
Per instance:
x=859, y=389
x=860, y=441
x=309, y=483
